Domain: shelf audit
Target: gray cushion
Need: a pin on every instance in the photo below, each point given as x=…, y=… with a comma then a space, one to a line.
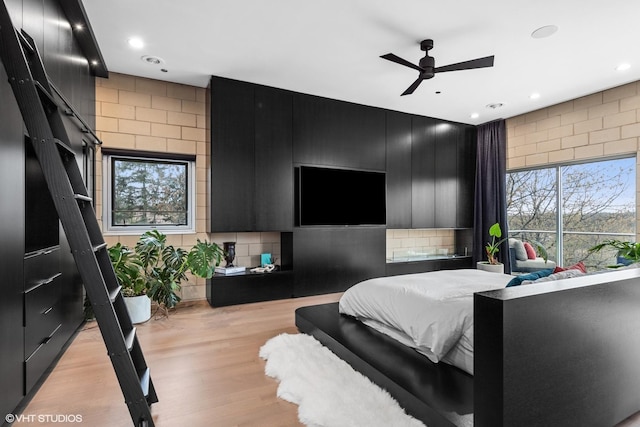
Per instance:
x=521, y=252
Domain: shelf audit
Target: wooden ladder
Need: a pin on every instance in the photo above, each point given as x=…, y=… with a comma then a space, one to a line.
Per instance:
x=42, y=117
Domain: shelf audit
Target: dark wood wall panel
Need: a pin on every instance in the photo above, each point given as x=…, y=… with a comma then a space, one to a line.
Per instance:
x=423, y=175
x=41, y=20
x=328, y=259
x=273, y=163
x=232, y=139
x=334, y=133
x=398, y=136
x=446, y=175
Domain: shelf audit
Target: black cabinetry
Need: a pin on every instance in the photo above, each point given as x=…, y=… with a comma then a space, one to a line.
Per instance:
x=12, y=214
x=232, y=156
x=249, y=287
x=398, y=170
x=335, y=133
x=423, y=172
x=251, y=157
x=329, y=259
x=396, y=268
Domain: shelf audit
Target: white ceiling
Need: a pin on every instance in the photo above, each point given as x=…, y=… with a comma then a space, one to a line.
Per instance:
x=331, y=48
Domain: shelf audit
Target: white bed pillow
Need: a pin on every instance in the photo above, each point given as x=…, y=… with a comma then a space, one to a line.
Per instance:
x=518, y=246
x=566, y=274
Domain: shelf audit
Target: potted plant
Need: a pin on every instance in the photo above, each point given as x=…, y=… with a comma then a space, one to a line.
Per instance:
x=128, y=269
x=165, y=266
x=626, y=252
x=492, y=248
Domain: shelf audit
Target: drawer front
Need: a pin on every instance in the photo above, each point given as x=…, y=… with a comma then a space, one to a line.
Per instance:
x=41, y=267
x=38, y=362
x=39, y=328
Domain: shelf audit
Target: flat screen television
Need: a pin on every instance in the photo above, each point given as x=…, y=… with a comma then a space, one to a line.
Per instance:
x=338, y=197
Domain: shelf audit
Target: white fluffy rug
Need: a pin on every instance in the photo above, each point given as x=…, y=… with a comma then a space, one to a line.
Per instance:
x=328, y=392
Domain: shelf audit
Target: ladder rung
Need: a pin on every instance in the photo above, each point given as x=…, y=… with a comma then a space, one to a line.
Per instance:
x=25, y=42
x=82, y=197
x=96, y=248
x=113, y=295
x=129, y=338
x=64, y=149
x=144, y=381
x=52, y=102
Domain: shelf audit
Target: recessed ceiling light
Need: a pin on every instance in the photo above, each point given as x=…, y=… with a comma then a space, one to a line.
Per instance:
x=623, y=67
x=546, y=31
x=475, y=115
x=495, y=106
x=79, y=27
x=136, y=43
x=534, y=95
x=154, y=60
x=94, y=62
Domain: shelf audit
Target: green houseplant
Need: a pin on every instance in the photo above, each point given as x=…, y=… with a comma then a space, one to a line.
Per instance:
x=165, y=267
x=128, y=269
x=626, y=252
x=491, y=249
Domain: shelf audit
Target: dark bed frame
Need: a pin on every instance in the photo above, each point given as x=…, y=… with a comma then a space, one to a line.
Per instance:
x=564, y=353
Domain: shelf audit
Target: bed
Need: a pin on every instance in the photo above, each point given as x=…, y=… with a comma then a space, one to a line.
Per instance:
x=563, y=353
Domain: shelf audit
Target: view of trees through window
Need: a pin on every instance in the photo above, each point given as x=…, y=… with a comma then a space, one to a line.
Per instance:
x=149, y=192
x=569, y=209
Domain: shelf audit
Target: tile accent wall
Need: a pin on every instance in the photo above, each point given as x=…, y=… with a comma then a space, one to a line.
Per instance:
x=604, y=124
x=136, y=113
x=401, y=243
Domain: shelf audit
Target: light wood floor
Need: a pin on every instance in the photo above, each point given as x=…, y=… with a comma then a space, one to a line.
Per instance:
x=204, y=364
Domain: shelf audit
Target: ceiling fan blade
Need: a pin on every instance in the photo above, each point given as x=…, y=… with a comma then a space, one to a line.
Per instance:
x=487, y=61
x=413, y=86
x=395, y=58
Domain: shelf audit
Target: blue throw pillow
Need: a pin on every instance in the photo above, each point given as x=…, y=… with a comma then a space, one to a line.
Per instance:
x=517, y=281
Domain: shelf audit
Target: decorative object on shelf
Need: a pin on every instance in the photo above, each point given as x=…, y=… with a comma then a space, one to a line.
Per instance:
x=267, y=268
x=492, y=248
x=229, y=253
x=265, y=259
x=230, y=270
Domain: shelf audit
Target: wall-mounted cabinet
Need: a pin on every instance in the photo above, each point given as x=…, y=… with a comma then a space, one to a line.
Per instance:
x=399, y=189
x=328, y=132
x=251, y=157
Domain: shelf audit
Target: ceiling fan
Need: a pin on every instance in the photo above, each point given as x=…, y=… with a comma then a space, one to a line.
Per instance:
x=426, y=65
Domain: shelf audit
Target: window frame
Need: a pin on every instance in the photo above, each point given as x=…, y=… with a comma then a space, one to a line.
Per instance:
x=107, y=187
x=557, y=168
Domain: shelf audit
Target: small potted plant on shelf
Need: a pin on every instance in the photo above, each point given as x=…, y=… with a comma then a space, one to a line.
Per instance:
x=491, y=249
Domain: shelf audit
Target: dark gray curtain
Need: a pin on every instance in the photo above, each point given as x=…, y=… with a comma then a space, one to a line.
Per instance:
x=491, y=195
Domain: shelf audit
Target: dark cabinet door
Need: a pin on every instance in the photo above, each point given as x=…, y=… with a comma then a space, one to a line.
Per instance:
x=398, y=170
x=335, y=133
x=446, y=170
x=232, y=155
x=273, y=160
x=423, y=139
x=466, y=176
x=12, y=213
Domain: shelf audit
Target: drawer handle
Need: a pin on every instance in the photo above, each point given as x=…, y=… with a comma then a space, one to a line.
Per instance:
x=47, y=339
x=49, y=280
x=48, y=310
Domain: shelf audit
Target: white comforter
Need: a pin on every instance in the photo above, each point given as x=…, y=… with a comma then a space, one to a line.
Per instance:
x=433, y=310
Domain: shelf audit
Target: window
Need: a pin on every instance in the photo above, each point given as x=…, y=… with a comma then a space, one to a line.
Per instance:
x=148, y=192
x=571, y=208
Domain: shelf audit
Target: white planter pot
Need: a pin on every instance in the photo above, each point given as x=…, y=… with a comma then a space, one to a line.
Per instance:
x=493, y=268
x=139, y=308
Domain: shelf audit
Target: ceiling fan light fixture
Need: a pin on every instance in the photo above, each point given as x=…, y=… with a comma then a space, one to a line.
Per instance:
x=544, y=32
